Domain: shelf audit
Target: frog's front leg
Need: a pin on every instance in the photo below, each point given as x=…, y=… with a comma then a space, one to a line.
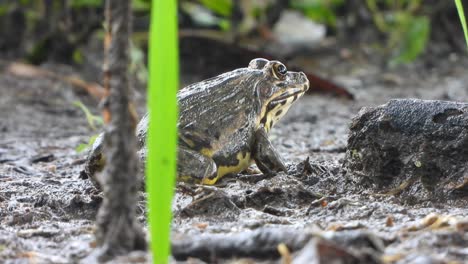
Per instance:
x=192, y=166
x=266, y=157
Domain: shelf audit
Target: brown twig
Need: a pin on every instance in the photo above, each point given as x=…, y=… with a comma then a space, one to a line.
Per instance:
x=31, y=71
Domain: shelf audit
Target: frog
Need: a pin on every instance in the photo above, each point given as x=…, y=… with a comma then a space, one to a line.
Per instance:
x=224, y=123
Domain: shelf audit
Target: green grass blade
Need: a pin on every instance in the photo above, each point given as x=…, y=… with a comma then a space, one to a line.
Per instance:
x=461, y=14
x=162, y=133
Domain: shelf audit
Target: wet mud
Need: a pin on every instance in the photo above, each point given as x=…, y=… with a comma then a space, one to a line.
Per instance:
x=47, y=210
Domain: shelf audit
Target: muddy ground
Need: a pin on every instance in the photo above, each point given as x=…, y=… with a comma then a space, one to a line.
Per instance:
x=47, y=210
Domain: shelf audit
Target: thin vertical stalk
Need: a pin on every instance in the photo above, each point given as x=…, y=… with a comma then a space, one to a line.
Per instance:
x=461, y=14
x=118, y=230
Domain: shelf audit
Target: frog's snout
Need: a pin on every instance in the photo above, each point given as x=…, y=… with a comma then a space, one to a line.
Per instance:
x=303, y=79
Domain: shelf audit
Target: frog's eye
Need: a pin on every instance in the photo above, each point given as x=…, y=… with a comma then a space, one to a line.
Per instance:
x=279, y=70
x=282, y=69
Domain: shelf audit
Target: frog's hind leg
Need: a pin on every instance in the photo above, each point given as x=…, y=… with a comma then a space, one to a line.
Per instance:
x=192, y=166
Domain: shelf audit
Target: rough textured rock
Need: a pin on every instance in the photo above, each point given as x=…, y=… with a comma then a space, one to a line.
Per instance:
x=415, y=147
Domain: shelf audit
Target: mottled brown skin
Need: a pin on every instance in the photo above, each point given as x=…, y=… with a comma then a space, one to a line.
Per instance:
x=224, y=122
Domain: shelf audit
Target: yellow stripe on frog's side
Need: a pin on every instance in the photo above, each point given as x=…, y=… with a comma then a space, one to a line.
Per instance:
x=244, y=162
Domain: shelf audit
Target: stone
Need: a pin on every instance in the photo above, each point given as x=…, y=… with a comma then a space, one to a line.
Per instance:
x=411, y=146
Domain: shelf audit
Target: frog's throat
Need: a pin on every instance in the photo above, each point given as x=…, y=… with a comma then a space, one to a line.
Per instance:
x=285, y=95
x=275, y=109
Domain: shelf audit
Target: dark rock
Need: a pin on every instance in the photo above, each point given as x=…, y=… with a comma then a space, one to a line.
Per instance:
x=410, y=146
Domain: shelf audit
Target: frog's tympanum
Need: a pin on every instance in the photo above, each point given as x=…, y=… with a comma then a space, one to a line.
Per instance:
x=224, y=122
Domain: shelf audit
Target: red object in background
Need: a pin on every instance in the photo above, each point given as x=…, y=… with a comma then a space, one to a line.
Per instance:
x=212, y=57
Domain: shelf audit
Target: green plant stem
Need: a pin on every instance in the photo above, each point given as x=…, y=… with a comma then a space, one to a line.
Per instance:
x=461, y=14
x=162, y=133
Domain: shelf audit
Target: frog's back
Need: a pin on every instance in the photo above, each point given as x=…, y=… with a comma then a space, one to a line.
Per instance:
x=215, y=108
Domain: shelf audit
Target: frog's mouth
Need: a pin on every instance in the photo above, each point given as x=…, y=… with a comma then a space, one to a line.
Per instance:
x=283, y=97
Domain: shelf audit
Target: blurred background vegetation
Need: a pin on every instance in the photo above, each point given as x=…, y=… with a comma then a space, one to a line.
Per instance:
x=399, y=30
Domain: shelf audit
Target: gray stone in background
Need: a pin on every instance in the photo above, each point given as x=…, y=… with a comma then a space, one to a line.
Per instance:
x=416, y=147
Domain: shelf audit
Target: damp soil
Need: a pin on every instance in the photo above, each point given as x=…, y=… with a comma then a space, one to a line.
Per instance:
x=47, y=210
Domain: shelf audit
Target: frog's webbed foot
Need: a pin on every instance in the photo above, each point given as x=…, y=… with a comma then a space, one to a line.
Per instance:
x=252, y=175
x=194, y=167
x=265, y=155
x=252, y=171
x=254, y=178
